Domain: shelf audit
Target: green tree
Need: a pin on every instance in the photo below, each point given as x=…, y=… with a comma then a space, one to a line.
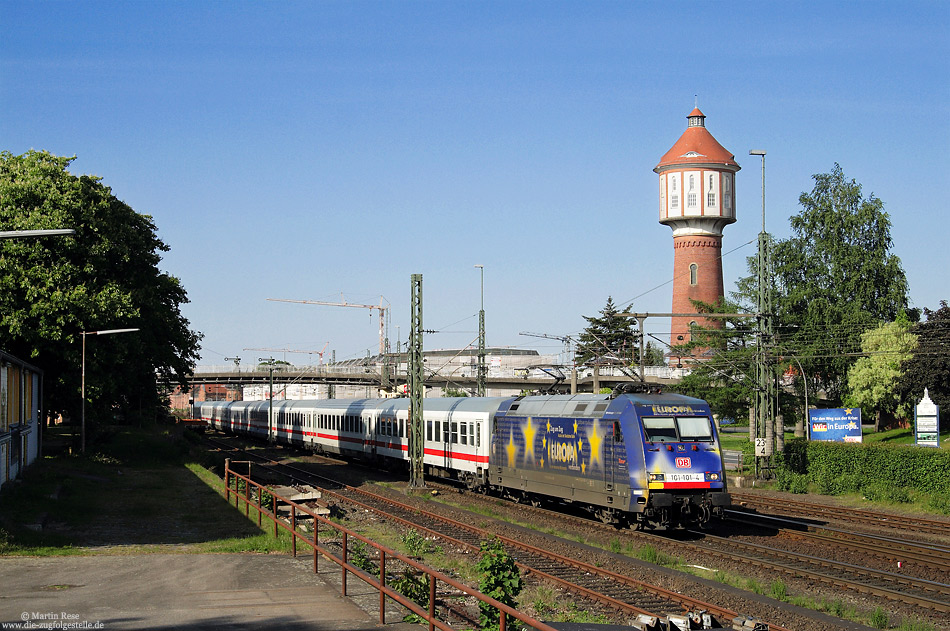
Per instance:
x=835, y=278
x=726, y=375
x=609, y=339
x=105, y=276
x=873, y=380
x=930, y=365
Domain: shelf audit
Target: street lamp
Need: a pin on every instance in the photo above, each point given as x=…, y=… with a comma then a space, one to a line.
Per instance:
x=83, y=394
x=480, y=381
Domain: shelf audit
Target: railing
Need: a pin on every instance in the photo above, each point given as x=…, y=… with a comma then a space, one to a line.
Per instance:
x=434, y=577
x=732, y=459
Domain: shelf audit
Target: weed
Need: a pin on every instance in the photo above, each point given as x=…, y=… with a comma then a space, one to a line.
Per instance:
x=879, y=619
x=779, y=591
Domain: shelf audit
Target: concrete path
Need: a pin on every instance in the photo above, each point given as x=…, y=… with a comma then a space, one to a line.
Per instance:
x=182, y=591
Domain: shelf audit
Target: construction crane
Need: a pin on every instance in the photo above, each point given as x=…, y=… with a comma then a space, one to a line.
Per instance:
x=566, y=339
x=343, y=303
x=289, y=350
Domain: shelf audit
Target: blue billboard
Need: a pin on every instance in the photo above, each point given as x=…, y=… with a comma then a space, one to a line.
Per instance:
x=838, y=424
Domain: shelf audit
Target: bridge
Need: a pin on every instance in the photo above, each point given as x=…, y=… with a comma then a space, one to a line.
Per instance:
x=501, y=381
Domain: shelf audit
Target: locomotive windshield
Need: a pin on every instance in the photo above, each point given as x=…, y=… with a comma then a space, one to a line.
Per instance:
x=659, y=428
x=685, y=429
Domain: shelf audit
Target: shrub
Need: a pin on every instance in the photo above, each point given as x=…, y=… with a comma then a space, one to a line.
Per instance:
x=878, y=492
x=501, y=579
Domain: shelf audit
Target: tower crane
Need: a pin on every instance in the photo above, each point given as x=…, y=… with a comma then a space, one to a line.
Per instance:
x=566, y=339
x=343, y=303
x=289, y=350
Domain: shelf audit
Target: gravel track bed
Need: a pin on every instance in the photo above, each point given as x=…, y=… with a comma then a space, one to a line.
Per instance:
x=745, y=602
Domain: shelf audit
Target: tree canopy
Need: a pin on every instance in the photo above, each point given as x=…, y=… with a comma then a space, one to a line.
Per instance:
x=930, y=365
x=873, y=380
x=726, y=375
x=105, y=276
x=607, y=339
x=835, y=278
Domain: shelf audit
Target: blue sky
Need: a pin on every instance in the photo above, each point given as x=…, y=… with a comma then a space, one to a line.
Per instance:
x=303, y=149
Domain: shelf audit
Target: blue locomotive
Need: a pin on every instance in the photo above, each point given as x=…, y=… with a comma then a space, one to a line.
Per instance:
x=648, y=460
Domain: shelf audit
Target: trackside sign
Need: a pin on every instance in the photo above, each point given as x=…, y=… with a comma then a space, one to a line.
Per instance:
x=842, y=425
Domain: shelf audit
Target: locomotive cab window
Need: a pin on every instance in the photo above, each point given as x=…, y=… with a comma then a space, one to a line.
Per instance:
x=694, y=428
x=659, y=428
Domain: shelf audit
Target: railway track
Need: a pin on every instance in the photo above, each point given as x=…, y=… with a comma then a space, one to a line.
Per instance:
x=612, y=589
x=891, y=549
x=814, y=511
x=931, y=596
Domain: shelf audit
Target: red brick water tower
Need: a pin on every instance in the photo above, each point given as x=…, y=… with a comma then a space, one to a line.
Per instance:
x=697, y=200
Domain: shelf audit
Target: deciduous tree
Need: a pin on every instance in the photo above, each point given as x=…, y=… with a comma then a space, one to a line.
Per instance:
x=835, y=278
x=873, y=380
x=930, y=365
x=105, y=276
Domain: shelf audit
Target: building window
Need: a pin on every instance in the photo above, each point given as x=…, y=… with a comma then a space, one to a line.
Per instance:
x=710, y=199
x=691, y=200
x=693, y=273
x=675, y=202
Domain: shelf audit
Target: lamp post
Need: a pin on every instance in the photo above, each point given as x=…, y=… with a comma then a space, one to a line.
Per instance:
x=83, y=387
x=480, y=380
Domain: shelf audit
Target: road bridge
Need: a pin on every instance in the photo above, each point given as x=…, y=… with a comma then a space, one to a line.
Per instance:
x=501, y=381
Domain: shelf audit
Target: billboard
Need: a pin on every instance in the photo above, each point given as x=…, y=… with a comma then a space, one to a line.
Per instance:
x=838, y=424
x=927, y=422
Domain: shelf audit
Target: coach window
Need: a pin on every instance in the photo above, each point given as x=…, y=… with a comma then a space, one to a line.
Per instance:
x=438, y=436
x=455, y=433
x=428, y=430
x=478, y=434
x=402, y=428
x=464, y=434
x=445, y=431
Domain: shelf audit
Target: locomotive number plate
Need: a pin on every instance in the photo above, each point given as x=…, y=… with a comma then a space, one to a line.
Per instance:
x=684, y=477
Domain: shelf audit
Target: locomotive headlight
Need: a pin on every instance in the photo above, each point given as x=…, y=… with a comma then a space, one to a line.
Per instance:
x=656, y=477
x=712, y=477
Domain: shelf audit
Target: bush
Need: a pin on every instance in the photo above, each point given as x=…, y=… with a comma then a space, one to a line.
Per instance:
x=837, y=468
x=501, y=579
x=878, y=492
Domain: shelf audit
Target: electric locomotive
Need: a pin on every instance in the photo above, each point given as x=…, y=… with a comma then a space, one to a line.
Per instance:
x=645, y=460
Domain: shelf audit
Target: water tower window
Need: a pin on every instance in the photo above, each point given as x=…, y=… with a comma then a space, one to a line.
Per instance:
x=693, y=273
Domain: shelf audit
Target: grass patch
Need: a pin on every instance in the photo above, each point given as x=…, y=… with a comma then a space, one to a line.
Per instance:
x=136, y=490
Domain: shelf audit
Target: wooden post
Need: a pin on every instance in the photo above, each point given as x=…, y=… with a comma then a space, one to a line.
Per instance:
x=382, y=584
x=431, y=603
x=227, y=480
x=274, y=495
x=344, y=564
x=293, y=529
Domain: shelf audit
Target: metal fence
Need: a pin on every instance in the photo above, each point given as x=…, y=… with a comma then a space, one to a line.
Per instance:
x=257, y=496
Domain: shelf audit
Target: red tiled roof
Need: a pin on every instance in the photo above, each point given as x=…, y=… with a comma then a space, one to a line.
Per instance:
x=697, y=145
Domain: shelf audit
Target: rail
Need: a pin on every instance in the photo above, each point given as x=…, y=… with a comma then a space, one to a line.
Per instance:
x=434, y=577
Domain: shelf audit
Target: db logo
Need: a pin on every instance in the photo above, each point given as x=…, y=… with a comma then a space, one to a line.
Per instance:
x=682, y=463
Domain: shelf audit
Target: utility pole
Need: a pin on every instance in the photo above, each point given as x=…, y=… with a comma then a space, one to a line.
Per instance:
x=270, y=363
x=766, y=390
x=416, y=434
x=482, y=369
